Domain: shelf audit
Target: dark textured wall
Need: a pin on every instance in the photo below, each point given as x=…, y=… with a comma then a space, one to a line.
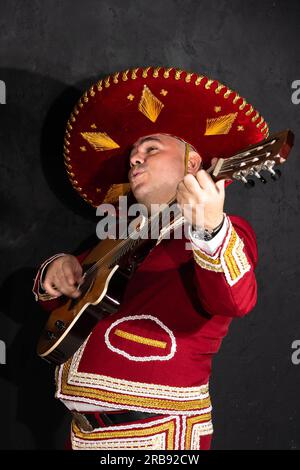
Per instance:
x=50, y=51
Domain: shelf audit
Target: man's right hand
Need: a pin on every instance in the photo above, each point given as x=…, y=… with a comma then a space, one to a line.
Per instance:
x=63, y=276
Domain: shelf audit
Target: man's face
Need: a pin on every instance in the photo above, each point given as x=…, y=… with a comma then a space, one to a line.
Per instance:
x=157, y=166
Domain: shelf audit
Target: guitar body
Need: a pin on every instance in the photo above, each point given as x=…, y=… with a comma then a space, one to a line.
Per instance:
x=69, y=325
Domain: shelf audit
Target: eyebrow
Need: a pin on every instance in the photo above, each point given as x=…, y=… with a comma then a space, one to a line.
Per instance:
x=146, y=139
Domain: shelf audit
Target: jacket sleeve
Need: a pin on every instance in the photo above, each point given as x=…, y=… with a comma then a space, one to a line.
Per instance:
x=46, y=301
x=225, y=279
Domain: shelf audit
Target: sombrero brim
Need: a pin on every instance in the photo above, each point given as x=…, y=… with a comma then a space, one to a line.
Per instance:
x=118, y=110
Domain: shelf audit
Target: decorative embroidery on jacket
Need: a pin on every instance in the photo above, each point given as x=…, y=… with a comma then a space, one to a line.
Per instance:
x=233, y=258
x=230, y=259
x=141, y=339
x=117, y=393
x=169, y=433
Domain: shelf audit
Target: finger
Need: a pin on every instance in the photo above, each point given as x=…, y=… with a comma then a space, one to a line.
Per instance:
x=79, y=274
x=182, y=192
x=69, y=273
x=69, y=292
x=64, y=287
x=214, y=161
x=220, y=186
x=73, y=272
x=190, y=183
x=50, y=289
x=204, y=179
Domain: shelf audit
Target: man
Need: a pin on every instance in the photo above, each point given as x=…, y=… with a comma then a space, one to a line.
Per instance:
x=179, y=304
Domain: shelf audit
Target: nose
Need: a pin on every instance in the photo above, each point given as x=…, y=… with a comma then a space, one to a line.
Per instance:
x=136, y=159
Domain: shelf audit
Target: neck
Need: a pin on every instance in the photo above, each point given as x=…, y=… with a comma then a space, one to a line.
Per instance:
x=153, y=208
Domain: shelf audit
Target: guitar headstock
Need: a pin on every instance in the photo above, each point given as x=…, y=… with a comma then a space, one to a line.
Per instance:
x=253, y=160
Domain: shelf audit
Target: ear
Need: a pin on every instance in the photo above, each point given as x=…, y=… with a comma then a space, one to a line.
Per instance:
x=194, y=162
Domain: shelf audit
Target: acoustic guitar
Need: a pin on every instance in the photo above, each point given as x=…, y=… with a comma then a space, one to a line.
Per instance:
x=110, y=265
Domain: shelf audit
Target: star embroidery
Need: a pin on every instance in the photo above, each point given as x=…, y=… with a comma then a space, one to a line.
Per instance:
x=240, y=128
x=130, y=97
x=217, y=109
x=163, y=92
x=83, y=148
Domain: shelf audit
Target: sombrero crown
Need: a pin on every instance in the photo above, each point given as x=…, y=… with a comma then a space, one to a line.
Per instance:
x=123, y=107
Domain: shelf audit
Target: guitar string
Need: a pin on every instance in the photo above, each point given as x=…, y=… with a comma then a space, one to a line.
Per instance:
x=246, y=152
x=128, y=241
x=227, y=164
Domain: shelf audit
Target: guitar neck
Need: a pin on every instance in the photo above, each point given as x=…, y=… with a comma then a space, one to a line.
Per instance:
x=249, y=161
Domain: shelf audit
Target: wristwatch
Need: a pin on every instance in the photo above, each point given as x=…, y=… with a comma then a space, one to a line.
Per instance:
x=206, y=234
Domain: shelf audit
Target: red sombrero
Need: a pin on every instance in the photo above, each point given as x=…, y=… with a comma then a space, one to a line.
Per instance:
x=119, y=109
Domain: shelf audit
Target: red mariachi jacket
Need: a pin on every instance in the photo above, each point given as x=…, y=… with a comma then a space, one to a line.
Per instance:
x=155, y=353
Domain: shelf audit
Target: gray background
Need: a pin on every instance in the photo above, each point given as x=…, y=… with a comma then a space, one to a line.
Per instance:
x=50, y=51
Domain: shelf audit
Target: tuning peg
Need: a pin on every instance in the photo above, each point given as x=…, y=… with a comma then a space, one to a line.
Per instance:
x=258, y=176
x=275, y=174
x=248, y=183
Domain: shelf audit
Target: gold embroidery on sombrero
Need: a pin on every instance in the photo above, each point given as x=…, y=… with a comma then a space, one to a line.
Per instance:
x=83, y=148
x=149, y=105
x=255, y=117
x=169, y=76
x=220, y=125
x=264, y=127
x=188, y=77
x=100, y=140
x=93, y=126
x=217, y=109
x=115, y=191
x=134, y=73
x=241, y=107
x=209, y=83
x=92, y=91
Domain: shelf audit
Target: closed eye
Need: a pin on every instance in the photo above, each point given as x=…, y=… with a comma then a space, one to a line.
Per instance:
x=150, y=149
